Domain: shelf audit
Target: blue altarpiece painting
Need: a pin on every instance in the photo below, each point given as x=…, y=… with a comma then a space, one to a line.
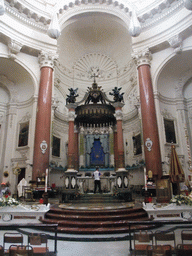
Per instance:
x=97, y=150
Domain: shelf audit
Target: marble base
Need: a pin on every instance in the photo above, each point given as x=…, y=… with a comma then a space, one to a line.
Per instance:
x=168, y=212
x=23, y=213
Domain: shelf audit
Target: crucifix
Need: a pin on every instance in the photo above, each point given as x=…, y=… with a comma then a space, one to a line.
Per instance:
x=94, y=75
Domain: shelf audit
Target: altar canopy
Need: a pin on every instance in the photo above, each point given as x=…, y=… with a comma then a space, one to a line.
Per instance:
x=176, y=171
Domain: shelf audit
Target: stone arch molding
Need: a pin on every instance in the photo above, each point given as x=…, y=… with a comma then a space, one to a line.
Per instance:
x=75, y=8
x=10, y=86
x=182, y=81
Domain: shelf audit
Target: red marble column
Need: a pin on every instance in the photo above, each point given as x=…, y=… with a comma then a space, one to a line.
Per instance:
x=115, y=150
x=120, y=145
x=71, y=138
x=43, y=120
x=149, y=120
x=76, y=150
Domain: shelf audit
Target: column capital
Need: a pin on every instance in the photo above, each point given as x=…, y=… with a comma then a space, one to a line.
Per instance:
x=142, y=57
x=118, y=105
x=71, y=106
x=47, y=59
x=119, y=114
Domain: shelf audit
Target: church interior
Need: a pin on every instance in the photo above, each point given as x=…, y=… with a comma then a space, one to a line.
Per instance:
x=51, y=49
x=96, y=83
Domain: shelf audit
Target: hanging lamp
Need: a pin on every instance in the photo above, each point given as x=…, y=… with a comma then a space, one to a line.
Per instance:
x=54, y=29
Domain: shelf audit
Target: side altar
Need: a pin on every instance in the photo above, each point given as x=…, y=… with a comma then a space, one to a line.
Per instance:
x=23, y=213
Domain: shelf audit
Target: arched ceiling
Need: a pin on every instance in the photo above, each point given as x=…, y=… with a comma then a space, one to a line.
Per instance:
x=19, y=82
x=94, y=33
x=176, y=73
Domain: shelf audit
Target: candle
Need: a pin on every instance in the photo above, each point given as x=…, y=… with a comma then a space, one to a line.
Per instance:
x=46, y=176
x=145, y=178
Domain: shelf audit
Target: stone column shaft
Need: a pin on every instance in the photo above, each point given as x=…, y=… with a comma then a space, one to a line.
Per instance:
x=76, y=150
x=43, y=122
x=120, y=145
x=43, y=118
x=71, y=138
x=149, y=120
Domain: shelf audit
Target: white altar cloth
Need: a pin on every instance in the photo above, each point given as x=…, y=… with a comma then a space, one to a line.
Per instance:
x=168, y=212
x=23, y=213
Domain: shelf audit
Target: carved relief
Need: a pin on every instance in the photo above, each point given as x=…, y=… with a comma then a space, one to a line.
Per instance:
x=166, y=114
x=89, y=63
x=176, y=43
x=25, y=118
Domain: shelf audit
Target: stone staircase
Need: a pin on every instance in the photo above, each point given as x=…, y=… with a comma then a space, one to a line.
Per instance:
x=95, y=214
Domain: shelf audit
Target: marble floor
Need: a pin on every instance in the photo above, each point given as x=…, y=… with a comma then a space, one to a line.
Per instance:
x=95, y=245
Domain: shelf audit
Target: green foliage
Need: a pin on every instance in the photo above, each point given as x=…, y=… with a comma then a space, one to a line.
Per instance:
x=8, y=201
x=182, y=199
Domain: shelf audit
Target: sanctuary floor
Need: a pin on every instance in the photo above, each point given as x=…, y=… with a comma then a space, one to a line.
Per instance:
x=93, y=245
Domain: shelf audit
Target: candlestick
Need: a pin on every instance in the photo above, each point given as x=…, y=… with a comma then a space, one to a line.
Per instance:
x=46, y=176
x=145, y=178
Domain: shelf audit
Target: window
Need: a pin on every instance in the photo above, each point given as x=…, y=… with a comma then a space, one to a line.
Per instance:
x=56, y=146
x=23, y=134
x=137, y=149
x=169, y=131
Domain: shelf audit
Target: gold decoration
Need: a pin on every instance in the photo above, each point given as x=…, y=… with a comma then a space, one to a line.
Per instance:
x=17, y=170
x=6, y=174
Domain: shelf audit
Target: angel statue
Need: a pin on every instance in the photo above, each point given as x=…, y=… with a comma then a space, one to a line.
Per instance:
x=118, y=97
x=71, y=98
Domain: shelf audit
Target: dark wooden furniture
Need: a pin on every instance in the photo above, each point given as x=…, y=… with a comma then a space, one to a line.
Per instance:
x=142, y=239
x=11, y=238
x=159, y=250
x=21, y=250
x=39, y=243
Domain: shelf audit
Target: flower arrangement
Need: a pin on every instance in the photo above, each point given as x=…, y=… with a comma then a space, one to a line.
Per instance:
x=182, y=199
x=7, y=200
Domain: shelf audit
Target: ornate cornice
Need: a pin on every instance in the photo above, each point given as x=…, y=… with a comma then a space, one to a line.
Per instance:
x=40, y=20
x=159, y=13
x=24, y=15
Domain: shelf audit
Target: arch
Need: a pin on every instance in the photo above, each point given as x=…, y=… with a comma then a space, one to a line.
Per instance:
x=109, y=8
x=181, y=77
x=18, y=67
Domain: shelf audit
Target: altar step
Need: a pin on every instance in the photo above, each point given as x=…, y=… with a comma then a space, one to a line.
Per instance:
x=94, y=221
x=97, y=198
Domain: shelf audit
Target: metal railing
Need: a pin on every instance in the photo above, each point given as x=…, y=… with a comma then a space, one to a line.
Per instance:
x=45, y=227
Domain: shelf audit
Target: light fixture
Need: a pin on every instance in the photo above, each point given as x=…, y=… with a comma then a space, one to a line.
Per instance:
x=54, y=29
x=134, y=26
x=2, y=7
x=188, y=4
